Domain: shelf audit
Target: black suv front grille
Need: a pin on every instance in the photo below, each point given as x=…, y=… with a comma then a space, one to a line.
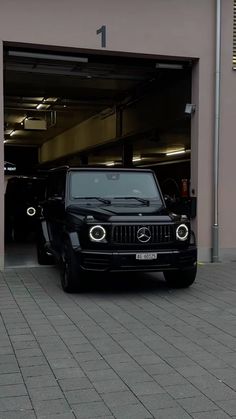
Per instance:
x=162, y=233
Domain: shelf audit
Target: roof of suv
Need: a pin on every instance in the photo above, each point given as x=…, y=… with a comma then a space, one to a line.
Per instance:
x=116, y=169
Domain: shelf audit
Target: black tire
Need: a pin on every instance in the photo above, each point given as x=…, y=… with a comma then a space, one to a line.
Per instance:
x=43, y=257
x=70, y=275
x=181, y=278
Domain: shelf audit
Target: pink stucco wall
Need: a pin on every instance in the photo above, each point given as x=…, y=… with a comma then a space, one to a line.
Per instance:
x=227, y=169
x=2, y=187
x=152, y=26
x=184, y=28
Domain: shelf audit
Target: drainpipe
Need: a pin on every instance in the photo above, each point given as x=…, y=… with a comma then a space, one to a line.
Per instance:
x=215, y=226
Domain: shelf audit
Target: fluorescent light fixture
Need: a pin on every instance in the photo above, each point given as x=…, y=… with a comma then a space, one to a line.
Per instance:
x=170, y=66
x=41, y=56
x=12, y=133
x=23, y=120
x=39, y=106
x=137, y=158
x=172, y=153
x=50, y=99
x=110, y=163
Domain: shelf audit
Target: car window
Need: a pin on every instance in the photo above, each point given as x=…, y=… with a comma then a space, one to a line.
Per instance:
x=113, y=185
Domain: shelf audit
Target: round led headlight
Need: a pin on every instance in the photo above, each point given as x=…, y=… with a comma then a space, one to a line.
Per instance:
x=31, y=211
x=97, y=233
x=182, y=232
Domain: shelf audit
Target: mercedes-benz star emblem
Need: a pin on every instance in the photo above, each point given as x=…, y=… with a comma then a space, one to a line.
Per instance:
x=144, y=234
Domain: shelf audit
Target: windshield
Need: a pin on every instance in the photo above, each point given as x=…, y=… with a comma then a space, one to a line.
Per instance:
x=113, y=185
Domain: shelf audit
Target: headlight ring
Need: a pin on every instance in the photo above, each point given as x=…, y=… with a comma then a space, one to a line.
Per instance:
x=31, y=211
x=97, y=233
x=182, y=232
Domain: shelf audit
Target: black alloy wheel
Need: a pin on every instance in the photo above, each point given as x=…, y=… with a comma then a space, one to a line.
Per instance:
x=70, y=276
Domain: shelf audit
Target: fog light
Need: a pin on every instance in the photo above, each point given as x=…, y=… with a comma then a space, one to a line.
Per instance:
x=97, y=233
x=182, y=232
x=31, y=211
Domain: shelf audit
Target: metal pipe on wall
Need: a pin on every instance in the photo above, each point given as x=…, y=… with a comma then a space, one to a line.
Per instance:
x=215, y=226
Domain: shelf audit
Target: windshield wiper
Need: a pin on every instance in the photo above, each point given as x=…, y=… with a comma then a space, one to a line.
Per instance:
x=105, y=201
x=144, y=201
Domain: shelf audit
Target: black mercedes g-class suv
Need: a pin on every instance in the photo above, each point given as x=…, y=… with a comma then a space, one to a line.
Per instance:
x=113, y=219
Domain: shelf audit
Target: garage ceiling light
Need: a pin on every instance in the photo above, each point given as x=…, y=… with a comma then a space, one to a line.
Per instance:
x=12, y=133
x=39, y=106
x=50, y=99
x=171, y=153
x=24, y=54
x=170, y=66
x=45, y=104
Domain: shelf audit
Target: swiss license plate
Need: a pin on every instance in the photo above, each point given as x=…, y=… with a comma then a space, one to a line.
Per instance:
x=146, y=256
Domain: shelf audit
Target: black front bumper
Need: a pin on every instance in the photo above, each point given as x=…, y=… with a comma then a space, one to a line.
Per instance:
x=116, y=261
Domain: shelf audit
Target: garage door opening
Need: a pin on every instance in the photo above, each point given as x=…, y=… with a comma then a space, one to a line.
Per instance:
x=89, y=109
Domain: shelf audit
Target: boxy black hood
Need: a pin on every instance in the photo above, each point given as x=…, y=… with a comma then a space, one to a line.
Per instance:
x=117, y=212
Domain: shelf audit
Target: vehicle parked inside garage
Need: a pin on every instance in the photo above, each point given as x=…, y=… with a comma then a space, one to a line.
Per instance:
x=113, y=219
x=22, y=196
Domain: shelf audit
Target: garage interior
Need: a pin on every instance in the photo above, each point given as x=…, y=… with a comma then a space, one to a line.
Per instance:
x=79, y=108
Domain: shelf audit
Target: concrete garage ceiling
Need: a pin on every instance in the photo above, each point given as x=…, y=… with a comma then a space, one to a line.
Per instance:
x=60, y=91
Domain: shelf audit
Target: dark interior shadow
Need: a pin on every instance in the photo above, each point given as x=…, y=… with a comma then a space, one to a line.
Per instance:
x=123, y=283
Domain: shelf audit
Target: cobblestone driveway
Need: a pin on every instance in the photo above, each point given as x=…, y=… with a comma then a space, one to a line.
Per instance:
x=130, y=349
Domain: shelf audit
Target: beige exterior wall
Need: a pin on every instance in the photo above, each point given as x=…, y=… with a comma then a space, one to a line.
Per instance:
x=183, y=28
x=227, y=167
x=2, y=186
x=149, y=27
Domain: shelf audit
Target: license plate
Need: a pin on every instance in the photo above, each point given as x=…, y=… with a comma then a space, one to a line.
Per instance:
x=146, y=256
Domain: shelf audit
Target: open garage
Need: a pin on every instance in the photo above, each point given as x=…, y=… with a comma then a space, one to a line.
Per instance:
x=67, y=108
x=114, y=91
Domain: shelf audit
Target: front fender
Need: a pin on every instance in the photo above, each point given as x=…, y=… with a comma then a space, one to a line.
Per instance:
x=74, y=239
x=44, y=231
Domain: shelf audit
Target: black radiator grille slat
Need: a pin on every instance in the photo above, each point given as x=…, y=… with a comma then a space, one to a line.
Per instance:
x=160, y=232
x=153, y=231
x=126, y=234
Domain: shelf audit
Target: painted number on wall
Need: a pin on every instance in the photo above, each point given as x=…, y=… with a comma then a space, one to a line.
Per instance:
x=102, y=31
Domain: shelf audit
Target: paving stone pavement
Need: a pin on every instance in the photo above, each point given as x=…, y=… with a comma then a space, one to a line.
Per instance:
x=123, y=348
